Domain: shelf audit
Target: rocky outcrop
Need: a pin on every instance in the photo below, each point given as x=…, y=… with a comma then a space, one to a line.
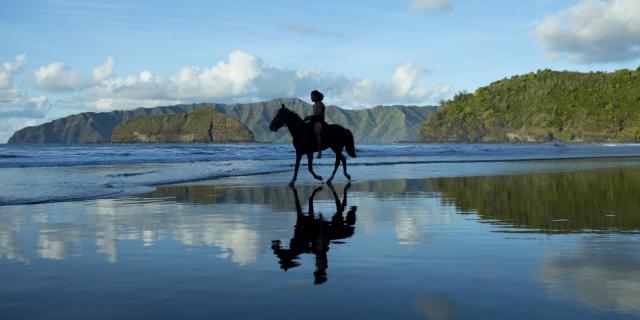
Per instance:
x=202, y=125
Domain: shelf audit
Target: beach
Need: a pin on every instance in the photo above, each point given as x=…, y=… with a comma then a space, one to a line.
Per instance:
x=415, y=240
x=418, y=159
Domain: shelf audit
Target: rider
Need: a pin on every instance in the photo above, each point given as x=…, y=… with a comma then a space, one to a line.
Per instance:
x=317, y=118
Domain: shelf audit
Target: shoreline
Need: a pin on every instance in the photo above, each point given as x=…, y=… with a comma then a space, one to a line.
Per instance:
x=76, y=173
x=384, y=171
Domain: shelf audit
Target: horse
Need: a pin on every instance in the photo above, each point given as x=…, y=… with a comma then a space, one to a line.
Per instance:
x=334, y=136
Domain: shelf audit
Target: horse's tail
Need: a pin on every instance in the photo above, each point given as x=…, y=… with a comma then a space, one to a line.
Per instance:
x=351, y=148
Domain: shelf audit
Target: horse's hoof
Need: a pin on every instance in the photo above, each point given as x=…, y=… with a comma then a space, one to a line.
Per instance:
x=319, y=178
x=329, y=182
x=292, y=184
x=349, y=177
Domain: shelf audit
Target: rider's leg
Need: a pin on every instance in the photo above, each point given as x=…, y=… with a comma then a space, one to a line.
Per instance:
x=318, y=131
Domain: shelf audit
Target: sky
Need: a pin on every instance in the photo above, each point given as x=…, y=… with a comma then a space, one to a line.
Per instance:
x=61, y=57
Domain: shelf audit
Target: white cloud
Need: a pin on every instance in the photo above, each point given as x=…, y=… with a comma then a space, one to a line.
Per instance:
x=24, y=106
x=593, y=31
x=225, y=79
x=13, y=101
x=110, y=104
x=596, y=275
x=246, y=77
x=10, y=125
x=11, y=69
x=58, y=77
x=404, y=80
x=104, y=71
x=404, y=88
x=431, y=5
x=9, y=93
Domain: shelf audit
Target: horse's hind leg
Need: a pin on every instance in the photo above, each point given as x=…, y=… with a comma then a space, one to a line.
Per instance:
x=344, y=166
x=310, y=166
x=335, y=166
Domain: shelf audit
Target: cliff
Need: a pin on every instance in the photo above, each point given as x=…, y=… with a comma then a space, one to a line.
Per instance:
x=202, y=125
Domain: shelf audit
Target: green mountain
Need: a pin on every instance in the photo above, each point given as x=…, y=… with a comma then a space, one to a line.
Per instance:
x=88, y=127
x=542, y=106
x=381, y=124
x=202, y=125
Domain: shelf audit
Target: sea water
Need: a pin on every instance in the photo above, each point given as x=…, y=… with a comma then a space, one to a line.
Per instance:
x=37, y=173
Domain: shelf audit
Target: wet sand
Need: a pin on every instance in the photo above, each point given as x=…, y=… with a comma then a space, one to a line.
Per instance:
x=531, y=240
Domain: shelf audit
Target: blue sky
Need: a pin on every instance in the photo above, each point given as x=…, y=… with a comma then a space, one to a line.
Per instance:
x=63, y=57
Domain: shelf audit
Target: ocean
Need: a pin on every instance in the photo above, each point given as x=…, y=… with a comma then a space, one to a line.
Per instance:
x=39, y=173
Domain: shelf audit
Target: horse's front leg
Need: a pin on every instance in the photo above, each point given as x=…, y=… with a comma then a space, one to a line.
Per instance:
x=335, y=168
x=310, y=166
x=295, y=172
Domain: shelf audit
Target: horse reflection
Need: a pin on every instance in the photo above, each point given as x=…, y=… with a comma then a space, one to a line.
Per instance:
x=313, y=234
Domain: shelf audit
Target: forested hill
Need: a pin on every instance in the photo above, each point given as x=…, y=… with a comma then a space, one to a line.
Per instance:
x=542, y=106
x=202, y=125
x=382, y=124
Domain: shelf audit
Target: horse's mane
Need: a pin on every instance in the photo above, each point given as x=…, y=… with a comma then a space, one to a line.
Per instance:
x=292, y=114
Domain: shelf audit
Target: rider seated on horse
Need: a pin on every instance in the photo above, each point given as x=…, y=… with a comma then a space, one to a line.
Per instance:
x=317, y=118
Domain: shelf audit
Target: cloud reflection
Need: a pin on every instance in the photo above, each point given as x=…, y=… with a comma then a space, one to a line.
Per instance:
x=66, y=229
x=10, y=248
x=601, y=274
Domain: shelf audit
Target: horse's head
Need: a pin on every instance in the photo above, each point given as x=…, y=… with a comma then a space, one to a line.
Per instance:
x=280, y=120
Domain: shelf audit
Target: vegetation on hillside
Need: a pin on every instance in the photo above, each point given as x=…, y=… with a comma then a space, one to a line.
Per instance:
x=542, y=106
x=202, y=125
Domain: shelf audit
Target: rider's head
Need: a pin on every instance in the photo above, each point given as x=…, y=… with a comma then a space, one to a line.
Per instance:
x=316, y=96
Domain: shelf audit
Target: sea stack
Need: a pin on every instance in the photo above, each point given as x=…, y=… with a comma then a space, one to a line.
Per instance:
x=202, y=125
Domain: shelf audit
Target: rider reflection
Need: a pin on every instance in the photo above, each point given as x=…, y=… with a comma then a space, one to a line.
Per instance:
x=313, y=234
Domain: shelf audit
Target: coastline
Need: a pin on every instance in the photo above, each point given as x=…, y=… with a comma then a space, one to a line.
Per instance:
x=363, y=169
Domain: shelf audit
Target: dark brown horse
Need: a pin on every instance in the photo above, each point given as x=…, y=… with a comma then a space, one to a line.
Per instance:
x=304, y=141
